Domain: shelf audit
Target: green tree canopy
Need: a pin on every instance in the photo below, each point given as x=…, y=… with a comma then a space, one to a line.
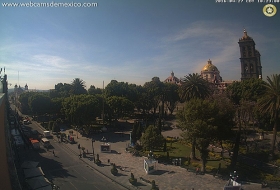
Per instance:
x=61, y=90
x=171, y=96
x=152, y=139
x=93, y=91
x=23, y=99
x=154, y=92
x=78, y=87
x=81, y=109
x=270, y=103
x=194, y=86
x=121, y=89
x=39, y=103
x=120, y=106
x=201, y=121
x=248, y=90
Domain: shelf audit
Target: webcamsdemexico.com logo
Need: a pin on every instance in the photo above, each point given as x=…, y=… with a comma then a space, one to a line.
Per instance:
x=50, y=4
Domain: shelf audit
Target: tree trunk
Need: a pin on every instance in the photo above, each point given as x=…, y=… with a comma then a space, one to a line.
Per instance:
x=273, y=144
x=222, y=147
x=235, y=150
x=203, y=165
x=237, y=143
x=193, y=156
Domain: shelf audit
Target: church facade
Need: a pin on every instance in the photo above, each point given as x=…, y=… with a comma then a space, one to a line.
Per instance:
x=211, y=73
x=250, y=58
x=172, y=79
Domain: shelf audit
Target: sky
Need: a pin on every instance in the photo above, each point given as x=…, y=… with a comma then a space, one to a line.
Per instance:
x=131, y=40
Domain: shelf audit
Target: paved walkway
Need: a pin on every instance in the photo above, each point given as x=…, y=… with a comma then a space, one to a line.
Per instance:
x=166, y=176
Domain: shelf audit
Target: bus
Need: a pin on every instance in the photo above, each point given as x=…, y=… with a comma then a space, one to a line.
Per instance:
x=46, y=142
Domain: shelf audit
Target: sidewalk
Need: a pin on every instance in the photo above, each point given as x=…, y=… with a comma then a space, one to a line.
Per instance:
x=166, y=176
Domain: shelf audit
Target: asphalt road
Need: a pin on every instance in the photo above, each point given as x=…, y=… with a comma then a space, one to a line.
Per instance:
x=64, y=168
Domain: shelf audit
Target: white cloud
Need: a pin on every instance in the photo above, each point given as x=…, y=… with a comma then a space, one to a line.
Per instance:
x=51, y=62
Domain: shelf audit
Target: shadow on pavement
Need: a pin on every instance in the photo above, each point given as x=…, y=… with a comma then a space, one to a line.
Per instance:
x=159, y=172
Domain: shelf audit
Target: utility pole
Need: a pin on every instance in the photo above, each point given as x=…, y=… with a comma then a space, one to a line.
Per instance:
x=103, y=105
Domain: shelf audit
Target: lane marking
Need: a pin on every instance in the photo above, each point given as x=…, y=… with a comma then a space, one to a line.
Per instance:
x=73, y=185
x=79, y=174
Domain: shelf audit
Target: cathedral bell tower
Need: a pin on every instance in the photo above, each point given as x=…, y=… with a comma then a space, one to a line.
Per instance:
x=250, y=58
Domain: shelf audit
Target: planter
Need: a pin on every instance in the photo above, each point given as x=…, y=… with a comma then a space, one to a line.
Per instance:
x=114, y=170
x=133, y=181
x=98, y=162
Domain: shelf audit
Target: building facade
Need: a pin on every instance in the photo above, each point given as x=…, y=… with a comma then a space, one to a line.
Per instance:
x=250, y=58
x=172, y=79
x=211, y=73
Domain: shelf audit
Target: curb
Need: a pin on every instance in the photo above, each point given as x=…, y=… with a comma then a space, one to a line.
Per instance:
x=88, y=164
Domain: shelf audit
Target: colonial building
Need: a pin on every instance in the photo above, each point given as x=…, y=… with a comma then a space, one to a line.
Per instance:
x=19, y=90
x=173, y=79
x=211, y=73
x=250, y=58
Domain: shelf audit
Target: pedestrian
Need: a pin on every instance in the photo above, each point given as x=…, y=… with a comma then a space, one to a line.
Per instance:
x=197, y=171
x=53, y=153
x=108, y=161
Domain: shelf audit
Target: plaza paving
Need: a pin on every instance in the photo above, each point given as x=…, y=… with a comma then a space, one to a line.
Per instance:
x=166, y=176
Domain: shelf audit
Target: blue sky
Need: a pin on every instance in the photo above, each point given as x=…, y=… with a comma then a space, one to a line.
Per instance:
x=131, y=40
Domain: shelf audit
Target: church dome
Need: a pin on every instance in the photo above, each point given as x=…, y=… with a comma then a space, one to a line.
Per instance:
x=210, y=67
x=172, y=79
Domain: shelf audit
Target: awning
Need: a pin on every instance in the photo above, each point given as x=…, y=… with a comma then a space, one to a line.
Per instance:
x=38, y=182
x=33, y=172
x=29, y=164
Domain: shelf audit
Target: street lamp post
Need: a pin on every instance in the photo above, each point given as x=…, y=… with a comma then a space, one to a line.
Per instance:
x=92, y=140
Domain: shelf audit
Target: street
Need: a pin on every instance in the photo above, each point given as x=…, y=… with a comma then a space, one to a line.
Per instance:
x=63, y=167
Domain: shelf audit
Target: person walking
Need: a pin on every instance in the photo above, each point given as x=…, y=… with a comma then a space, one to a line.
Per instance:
x=197, y=171
x=53, y=153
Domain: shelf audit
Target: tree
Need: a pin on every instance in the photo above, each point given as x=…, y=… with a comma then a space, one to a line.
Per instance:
x=144, y=102
x=56, y=105
x=61, y=90
x=93, y=91
x=121, y=89
x=224, y=118
x=78, y=87
x=55, y=127
x=271, y=103
x=39, y=103
x=120, y=106
x=200, y=121
x=248, y=90
x=154, y=93
x=81, y=109
x=171, y=96
x=244, y=95
x=23, y=99
x=152, y=139
x=194, y=86
x=136, y=132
